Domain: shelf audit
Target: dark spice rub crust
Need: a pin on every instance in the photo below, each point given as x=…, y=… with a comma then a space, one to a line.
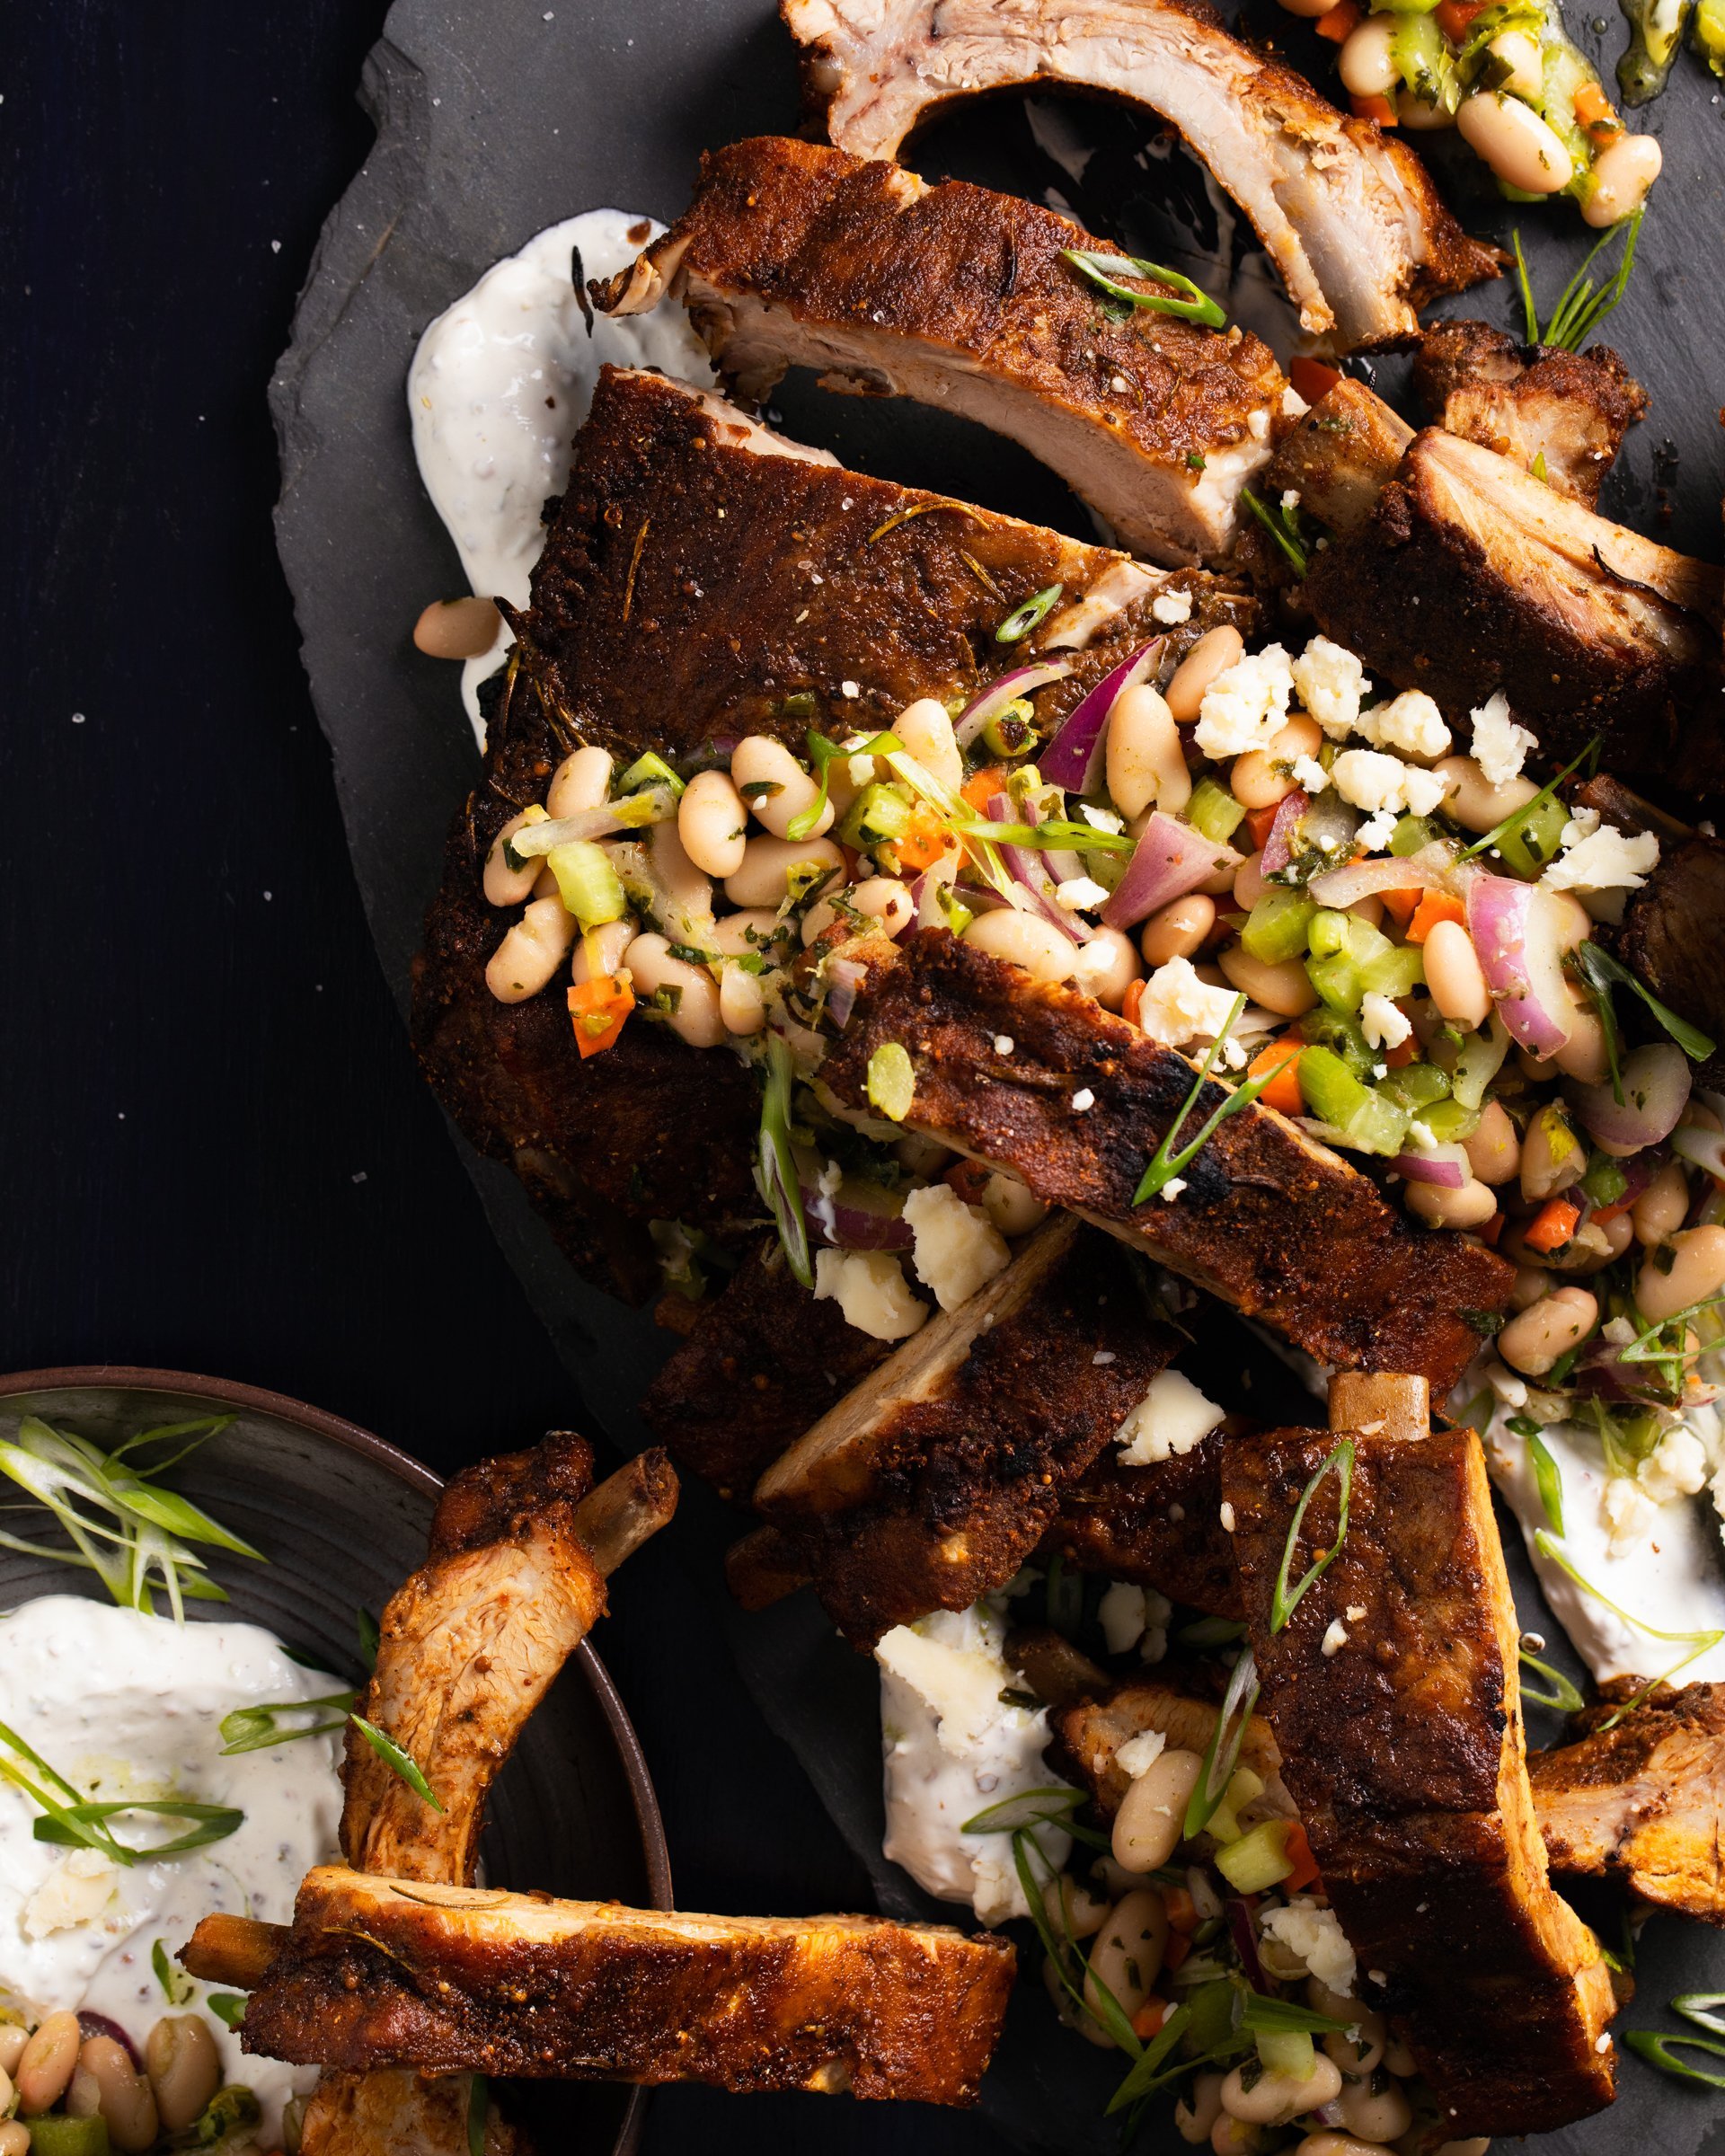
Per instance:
x=1275, y=1224
x=1157, y=1527
x=1402, y=1747
x=452, y=1980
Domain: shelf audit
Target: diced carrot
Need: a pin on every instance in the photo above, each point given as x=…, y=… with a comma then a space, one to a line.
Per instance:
x=1312, y=378
x=1552, y=1225
x=1433, y=908
x=1403, y=1053
x=1376, y=108
x=1283, y=1091
x=1402, y=905
x=1491, y=1231
x=1183, y=1910
x=1456, y=17
x=1129, y=1005
x=1341, y=22
x=1259, y=822
x=1594, y=110
x=1150, y=2017
x=1300, y=1854
x=598, y=1006
x=1602, y=1214
x=968, y=1179
x=1179, y=1944
x=922, y=842
x=982, y=786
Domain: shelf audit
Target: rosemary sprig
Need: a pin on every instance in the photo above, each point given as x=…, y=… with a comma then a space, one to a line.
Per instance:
x=775, y=1167
x=1280, y=524
x=1165, y=1163
x=398, y=1762
x=1282, y=1602
x=1182, y=297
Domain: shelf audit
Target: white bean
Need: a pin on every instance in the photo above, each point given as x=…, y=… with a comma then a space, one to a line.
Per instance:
x=1547, y=1329
x=688, y=888
x=1531, y=1282
x=1329, y=2143
x=1494, y=1150
x=1414, y=113
x=1036, y=945
x=1144, y=758
x=48, y=2061
x=1585, y=1056
x=1107, y=967
x=1178, y=931
x=1368, y=63
x=1661, y=1209
x=184, y=2066
x=457, y=628
x=1151, y=1821
x=1375, y=2108
x=1233, y=2137
x=927, y=735
x=1199, y=2110
x=1474, y=801
x=531, y=952
x=737, y=935
x=763, y=878
x=1309, y=8
x=1512, y=139
x=741, y=1004
x=125, y=2099
x=14, y=2137
x=1471, y=1207
x=1273, y=2098
x=13, y=2037
x=1284, y=989
x=1517, y=51
x=712, y=824
x=1010, y=1206
x=1685, y=1269
x=883, y=899
x=1127, y=1954
x=601, y=950
x=1594, y=1245
x=1260, y=778
x=581, y=781
x=696, y=1018
x=1214, y=653
x=505, y=886
x=1455, y=977
x=1621, y=175
x=1359, y=2048
x=1249, y=884
x=760, y=761
x=1552, y=1156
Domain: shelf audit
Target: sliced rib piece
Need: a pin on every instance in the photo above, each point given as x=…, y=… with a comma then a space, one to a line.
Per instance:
x=1402, y=1747
x=376, y=1973
x=1347, y=214
x=1269, y=1220
x=1471, y=576
x=792, y=254
x=1157, y=1525
x=1341, y=455
x=934, y=1479
x=1563, y=413
x=1645, y=1801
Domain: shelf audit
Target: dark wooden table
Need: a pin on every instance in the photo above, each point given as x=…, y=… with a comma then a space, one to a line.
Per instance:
x=215, y=1153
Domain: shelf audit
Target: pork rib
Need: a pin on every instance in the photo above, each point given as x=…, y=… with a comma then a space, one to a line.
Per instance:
x=380, y=1973
x=1402, y=1748
x=1348, y=216
x=794, y=254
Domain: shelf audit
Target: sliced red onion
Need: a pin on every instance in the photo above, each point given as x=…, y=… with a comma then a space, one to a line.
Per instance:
x=853, y=1218
x=91, y=2024
x=1028, y=873
x=1445, y=1166
x=1343, y=887
x=1518, y=935
x=1244, y=1935
x=1169, y=860
x=1019, y=680
x=1071, y=758
x=1278, y=847
x=844, y=976
x=1656, y=1083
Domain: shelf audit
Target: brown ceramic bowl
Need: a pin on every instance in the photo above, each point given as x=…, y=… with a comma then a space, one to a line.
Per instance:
x=342, y=1518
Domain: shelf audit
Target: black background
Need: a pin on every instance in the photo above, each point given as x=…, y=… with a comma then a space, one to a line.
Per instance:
x=216, y=1154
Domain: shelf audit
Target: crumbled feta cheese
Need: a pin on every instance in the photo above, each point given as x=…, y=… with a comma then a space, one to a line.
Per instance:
x=831, y=1175
x=73, y=1892
x=1246, y=706
x=1003, y=1044
x=1330, y=682
x=1120, y=1614
x=1290, y=499
x=1372, y=780
x=1500, y=745
x=957, y=1247
x=1178, y=1009
x=1083, y=1100
x=1604, y=860
x=870, y=1290
x=1383, y=1026
x=1171, y=608
x=1226, y=1517
x=1309, y=774
x=1081, y=894
x=1377, y=830
x=1627, y=1513
x=1103, y=1357
x=1422, y=1134
x=1139, y=1754
x=1102, y=819
x=850, y=688
x=1315, y=1936
x=1355, y=1612
x=1411, y=722
x=1173, y=1417
x=1171, y=1189
x=1334, y=1639
x=1678, y=1467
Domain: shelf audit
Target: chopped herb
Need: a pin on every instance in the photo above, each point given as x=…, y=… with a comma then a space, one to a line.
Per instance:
x=822, y=754
x=776, y=1168
x=229, y=2007
x=1144, y=2076
x=802, y=703
x=1547, y=1475
x=1658, y=2050
x=1266, y=2015
x=1671, y=1358
x=892, y=1081
x=1165, y=1163
x=1538, y=468
x=1701, y=2008
x=398, y=1762
x=1282, y=528
x=1030, y=615
x=74, y=1821
x=176, y=1985
x=651, y=770
x=1196, y=460
x=1698, y=1643
x=1107, y=2013
x=760, y=790
x=1052, y=1807
x=256, y=1728
x=690, y=955
x=1222, y=1754
x=1518, y=816
x=1282, y=1603
x=1182, y=297
x=1562, y=1693
x=1212, y=1632
x=1580, y=308
x=366, y=1626
x=1601, y=973
x=479, y=2103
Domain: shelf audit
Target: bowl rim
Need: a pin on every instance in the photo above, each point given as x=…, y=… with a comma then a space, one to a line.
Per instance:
x=353, y=1438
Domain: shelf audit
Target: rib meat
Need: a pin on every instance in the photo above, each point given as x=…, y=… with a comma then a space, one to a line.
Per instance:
x=1670, y=937
x=1402, y=1748
x=379, y=1973
x=1347, y=214
x=1158, y=1526
x=795, y=255
x=1269, y=1220
x=1565, y=413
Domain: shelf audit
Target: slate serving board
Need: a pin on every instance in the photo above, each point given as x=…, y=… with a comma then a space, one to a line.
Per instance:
x=495, y=118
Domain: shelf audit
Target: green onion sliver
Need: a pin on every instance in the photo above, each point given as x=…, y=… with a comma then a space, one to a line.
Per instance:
x=1283, y=1602
x=1549, y=1477
x=1107, y=2012
x=1281, y=529
x=892, y=1081
x=1563, y=1695
x=1657, y=2051
x=1183, y=298
x=479, y=2103
x=1702, y=2009
x=398, y=1762
x=1032, y=614
x=1698, y=1643
x=775, y=1167
x=1516, y=817
x=1222, y=1754
x=1165, y=1163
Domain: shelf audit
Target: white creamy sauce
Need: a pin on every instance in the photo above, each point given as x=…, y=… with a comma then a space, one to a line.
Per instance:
x=953, y=1747
x=125, y=1705
x=502, y=380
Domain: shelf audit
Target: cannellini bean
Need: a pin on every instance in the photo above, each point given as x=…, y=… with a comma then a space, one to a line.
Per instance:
x=696, y=1018
x=1107, y=967
x=1685, y=1269
x=124, y=2097
x=14, y=2137
x=689, y=887
x=1595, y=1245
x=1454, y=974
x=1249, y=884
x=1359, y=2048
x=1329, y=2143
x=1398, y=2059
x=742, y=1005
x=13, y=2037
x=1552, y=1156
x=184, y=2067
x=531, y=951
x=457, y=628
x=1494, y=1149
x=1150, y=1824
x=1127, y=1954
x=1233, y=2137
x=760, y=761
x=1036, y=945
x=1414, y=113
x=1661, y=1209
x=1014, y=1209
x=1584, y=1056
x=1283, y=989
x=1471, y=1207
x=505, y=886
x=883, y=899
x=1621, y=175
x=600, y=951
x=1254, y=780
x=48, y=2062
x=1272, y=2099
x=1368, y=63
x=1073, y=1909
x=1519, y=53
x=1214, y=653
x=1178, y=931
x=752, y=929
x=1310, y=8
x=915, y=1153
x=1143, y=756
x=1474, y=801
x=1199, y=2110
x=712, y=824
x=1547, y=1330
x=1068, y=2014
x=927, y=734
x=581, y=781
x=763, y=878
x=1513, y=140
x=1531, y=1282
x=1376, y=2109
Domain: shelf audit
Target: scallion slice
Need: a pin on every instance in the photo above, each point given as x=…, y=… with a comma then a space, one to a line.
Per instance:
x=398, y=1762
x=1222, y=1754
x=1284, y=1603
x=1548, y=1479
x=892, y=1081
x=1563, y=1695
x=1657, y=2051
x=1698, y=1643
x=1601, y=972
x=1030, y=615
x=1183, y=298
x=1280, y=523
x=1165, y=1163
x=775, y=1167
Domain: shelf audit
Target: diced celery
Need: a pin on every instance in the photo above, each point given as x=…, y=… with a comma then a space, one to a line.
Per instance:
x=1364, y=941
x=1214, y=811
x=1416, y=1085
x=1276, y=927
x=54, y=2133
x=1243, y=1786
x=1411, y=834
x=1256, y=1860
x=1328, y=1088
x=1328, y=933
x=1449, y=1122
x=879, y=813
x=1604, y=1181
x=1211, y=2008
x=1328, y=1029
x=1287, y=2051
x=1337, y=980
x=1011, y=730
x=1530, y=848
x=1481, y=1059
x=649, y=770
x=1376, y=1126
x=587, y=883
x=1395, y=971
